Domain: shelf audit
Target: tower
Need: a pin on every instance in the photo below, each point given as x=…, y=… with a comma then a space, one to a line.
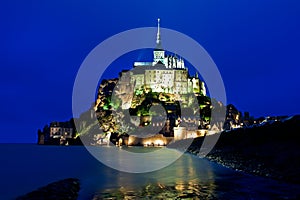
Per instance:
x=159, y=53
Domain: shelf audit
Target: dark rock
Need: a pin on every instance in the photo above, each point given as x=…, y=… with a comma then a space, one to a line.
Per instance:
x=60, y=190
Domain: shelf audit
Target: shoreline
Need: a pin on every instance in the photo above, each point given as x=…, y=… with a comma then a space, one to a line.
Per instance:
x=238, y=163
x=232, y=160
x=271, y=151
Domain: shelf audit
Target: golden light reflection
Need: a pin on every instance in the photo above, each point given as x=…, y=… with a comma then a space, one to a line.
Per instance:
x=180, y=186
x=187, y=178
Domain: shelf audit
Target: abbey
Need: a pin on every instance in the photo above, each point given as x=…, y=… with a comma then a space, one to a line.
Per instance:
x=159, y=95
x=165, y=74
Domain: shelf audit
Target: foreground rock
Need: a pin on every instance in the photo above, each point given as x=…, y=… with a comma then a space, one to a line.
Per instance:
x=60, y=190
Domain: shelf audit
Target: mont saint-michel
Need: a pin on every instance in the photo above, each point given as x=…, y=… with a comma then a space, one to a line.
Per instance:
x=142, y=97
x=152, y=104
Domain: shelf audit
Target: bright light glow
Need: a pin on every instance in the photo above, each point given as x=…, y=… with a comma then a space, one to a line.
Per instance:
x=159, y=142
x=129, y=141
x=147, y=143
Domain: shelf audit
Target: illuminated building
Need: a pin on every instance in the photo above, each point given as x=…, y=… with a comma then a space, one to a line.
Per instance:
x=166, y=74
x=167, y=81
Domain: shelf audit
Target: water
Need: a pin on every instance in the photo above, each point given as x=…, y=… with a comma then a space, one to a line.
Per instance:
x=192, y=178
x=27, y=167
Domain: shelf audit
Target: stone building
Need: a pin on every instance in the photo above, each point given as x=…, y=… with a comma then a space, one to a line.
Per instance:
x=233, y=117
x=166, y=74
x=57, y=133
x=167, y=78
x=61, y=129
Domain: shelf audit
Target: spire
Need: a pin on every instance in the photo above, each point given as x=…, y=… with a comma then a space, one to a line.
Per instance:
x=158, y=39
x=159, y=53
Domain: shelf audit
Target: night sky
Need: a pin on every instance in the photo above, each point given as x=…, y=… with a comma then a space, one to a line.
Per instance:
x=255, y=45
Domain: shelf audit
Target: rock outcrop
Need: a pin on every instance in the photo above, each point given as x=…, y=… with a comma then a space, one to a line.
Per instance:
x=60, y=190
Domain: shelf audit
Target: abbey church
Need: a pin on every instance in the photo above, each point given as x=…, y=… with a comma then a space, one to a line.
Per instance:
x=165, y=74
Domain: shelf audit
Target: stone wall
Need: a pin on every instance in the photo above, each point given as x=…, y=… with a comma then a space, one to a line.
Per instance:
x=155, y=140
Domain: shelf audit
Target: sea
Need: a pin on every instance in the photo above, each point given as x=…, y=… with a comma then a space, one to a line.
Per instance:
x=26, y=167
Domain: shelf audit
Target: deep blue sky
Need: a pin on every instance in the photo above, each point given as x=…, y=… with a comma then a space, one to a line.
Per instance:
x=255, y=45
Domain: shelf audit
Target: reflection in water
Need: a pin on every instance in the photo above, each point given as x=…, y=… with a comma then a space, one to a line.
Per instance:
x=187, y=178
x=183, y=179
x=188, y=190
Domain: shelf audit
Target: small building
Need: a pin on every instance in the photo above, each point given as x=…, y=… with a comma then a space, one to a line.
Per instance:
x=57, y=133
x=233, y=118
x=61, y=129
